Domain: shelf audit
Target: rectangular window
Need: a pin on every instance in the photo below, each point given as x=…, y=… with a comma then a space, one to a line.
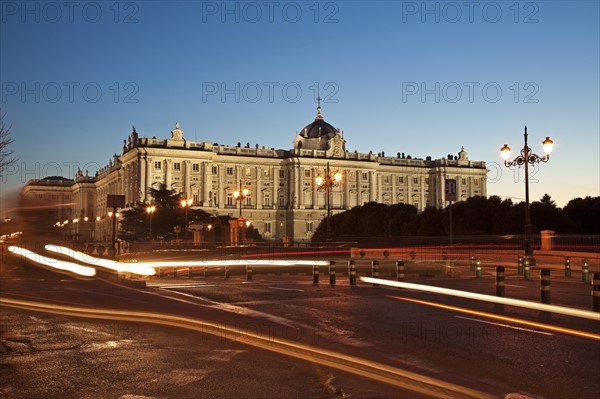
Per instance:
x=476, y=182
x=309, y=227
x=401, y=179
x=157, y=164
x=229, y=200
x=281, y=200
x=267, y=173
x=464, y=181
x=427, y=180
x=386, y=179
x=248, y=201
x=196, y=199
x=415, y=180
x=214, y=170
x=229, y=171
x=196, y=167
x=267, y=200
x=176, y=166
x=248, y=172
x=365, y=176
x=268, y=227
x=282, y=174
x=306, y=172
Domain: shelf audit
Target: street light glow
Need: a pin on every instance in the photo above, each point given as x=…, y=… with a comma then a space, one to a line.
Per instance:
x=548, y=146
x=505, y=152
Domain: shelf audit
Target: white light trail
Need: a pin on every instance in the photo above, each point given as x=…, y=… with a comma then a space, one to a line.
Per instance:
x=586, y=314
x=212, y=263
x=135, y=268
x=53, y=263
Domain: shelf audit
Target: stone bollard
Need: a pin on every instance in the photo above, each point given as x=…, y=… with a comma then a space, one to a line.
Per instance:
x=500, y=281
x=478, y=271
x=545, y=285
x=472, y=266
x=315, y=274
x=249, y=272
x=332, y=273
x=375, y=271
x=400, y=270
x=567, y=266
x=526, y=269
x=520, y=265
x=585, y=271
x=596, y=292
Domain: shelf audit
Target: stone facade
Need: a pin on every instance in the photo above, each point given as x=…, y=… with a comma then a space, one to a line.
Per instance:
x=284, y=199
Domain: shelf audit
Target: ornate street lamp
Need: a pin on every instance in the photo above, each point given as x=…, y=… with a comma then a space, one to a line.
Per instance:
x=150, y=210
x=326, y=183
x=185, y=204
x=526, y=158
x=239, y=195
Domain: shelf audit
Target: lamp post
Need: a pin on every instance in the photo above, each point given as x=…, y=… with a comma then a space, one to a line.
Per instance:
x=96, y=228
x=150, y=210
x=526, y=158
x=326, y=183
x=186, y=203
x=114, y=215
x=239, y=195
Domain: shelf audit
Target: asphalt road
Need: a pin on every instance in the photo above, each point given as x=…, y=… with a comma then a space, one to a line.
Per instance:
x=45, y=355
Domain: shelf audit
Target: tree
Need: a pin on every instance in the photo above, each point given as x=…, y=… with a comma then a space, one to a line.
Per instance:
x=547, y=200
x=584, y=213
x=6, y=157
x=135, y=224
x=165, y=198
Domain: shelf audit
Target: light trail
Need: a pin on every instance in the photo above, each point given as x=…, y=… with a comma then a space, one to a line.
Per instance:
x=534, y=324
x=355, y=365
x=210, y=263
x=53, y=263
x=585, y=314
x=135, y=268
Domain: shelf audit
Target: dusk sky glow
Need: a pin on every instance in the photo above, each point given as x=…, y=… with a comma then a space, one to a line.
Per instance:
x=420, y=78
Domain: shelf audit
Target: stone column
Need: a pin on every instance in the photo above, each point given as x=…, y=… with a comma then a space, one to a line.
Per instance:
x=299, y=189
x=168, y=163
x=259, y=193
x=187, y=172
x=219, y=188
x=206, y=183
x=148, y=176
x=372, y=193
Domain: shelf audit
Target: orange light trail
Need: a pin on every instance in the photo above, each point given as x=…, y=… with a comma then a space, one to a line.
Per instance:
x=358, y=366
x=542, y=326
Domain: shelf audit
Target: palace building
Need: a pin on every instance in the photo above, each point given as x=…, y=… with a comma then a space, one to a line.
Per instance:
x=283, y=199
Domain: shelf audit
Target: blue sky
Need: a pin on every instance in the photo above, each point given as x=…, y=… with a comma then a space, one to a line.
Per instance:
x=423, y=78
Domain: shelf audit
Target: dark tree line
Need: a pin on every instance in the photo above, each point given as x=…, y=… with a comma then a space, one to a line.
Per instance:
x=476, y=215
